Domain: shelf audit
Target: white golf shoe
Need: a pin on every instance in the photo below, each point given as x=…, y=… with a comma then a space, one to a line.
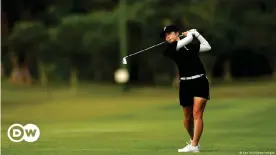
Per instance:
x=189, y=148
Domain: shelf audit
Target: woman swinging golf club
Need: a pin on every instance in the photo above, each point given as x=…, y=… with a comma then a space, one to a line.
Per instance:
x=193, y=83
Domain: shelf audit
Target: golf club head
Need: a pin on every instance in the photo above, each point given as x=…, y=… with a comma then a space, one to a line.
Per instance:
x=124, y=61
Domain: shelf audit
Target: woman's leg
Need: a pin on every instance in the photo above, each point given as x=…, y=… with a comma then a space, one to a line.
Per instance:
x=188, y=120
x=198, y=109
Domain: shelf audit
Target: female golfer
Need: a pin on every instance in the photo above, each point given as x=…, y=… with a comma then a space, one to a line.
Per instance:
x=193, y=83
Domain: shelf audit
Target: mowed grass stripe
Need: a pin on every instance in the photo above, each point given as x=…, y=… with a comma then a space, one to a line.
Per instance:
x=139, y=122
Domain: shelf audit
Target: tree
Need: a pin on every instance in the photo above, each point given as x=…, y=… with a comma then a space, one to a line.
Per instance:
x=89, y=35
x=26, y=41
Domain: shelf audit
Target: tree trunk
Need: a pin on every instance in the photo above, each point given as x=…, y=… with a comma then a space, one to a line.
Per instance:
x=73, y=79
x=2, y=71
x=20, y=73
x=175, y=82
x=42, y=73
x=227, y=71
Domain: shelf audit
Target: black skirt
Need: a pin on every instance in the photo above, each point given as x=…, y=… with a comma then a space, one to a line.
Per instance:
x=188, y=89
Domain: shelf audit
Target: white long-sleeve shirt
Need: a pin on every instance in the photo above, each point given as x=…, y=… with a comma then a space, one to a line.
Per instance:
x=204, y=45
x=185, y=41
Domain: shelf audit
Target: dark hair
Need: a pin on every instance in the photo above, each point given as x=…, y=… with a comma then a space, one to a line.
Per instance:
x=168, y=29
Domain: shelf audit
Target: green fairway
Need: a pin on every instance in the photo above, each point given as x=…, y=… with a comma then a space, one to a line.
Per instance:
x=100, y=120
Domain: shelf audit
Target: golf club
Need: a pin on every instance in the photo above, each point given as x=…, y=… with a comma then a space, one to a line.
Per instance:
x=124, y=58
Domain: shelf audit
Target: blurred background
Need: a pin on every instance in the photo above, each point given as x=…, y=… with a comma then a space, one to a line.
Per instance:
x=72, y=41
x=58, y=60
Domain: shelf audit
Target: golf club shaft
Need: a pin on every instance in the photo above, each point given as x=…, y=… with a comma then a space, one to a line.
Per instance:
x=145, y=49
x=148, y=48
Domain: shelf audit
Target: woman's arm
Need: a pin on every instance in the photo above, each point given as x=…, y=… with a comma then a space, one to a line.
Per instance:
x=204, y=45
x=185, y=41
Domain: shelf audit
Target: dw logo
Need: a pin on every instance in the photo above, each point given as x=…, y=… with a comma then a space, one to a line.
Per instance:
x=18, y=133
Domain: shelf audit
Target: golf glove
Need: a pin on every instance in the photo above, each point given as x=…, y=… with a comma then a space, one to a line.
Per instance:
x=194, y=32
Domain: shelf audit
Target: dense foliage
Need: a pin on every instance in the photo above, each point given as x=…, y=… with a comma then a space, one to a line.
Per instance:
x=84, y=35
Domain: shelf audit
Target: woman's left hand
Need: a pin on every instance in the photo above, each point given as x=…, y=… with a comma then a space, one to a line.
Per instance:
x=184, y=33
